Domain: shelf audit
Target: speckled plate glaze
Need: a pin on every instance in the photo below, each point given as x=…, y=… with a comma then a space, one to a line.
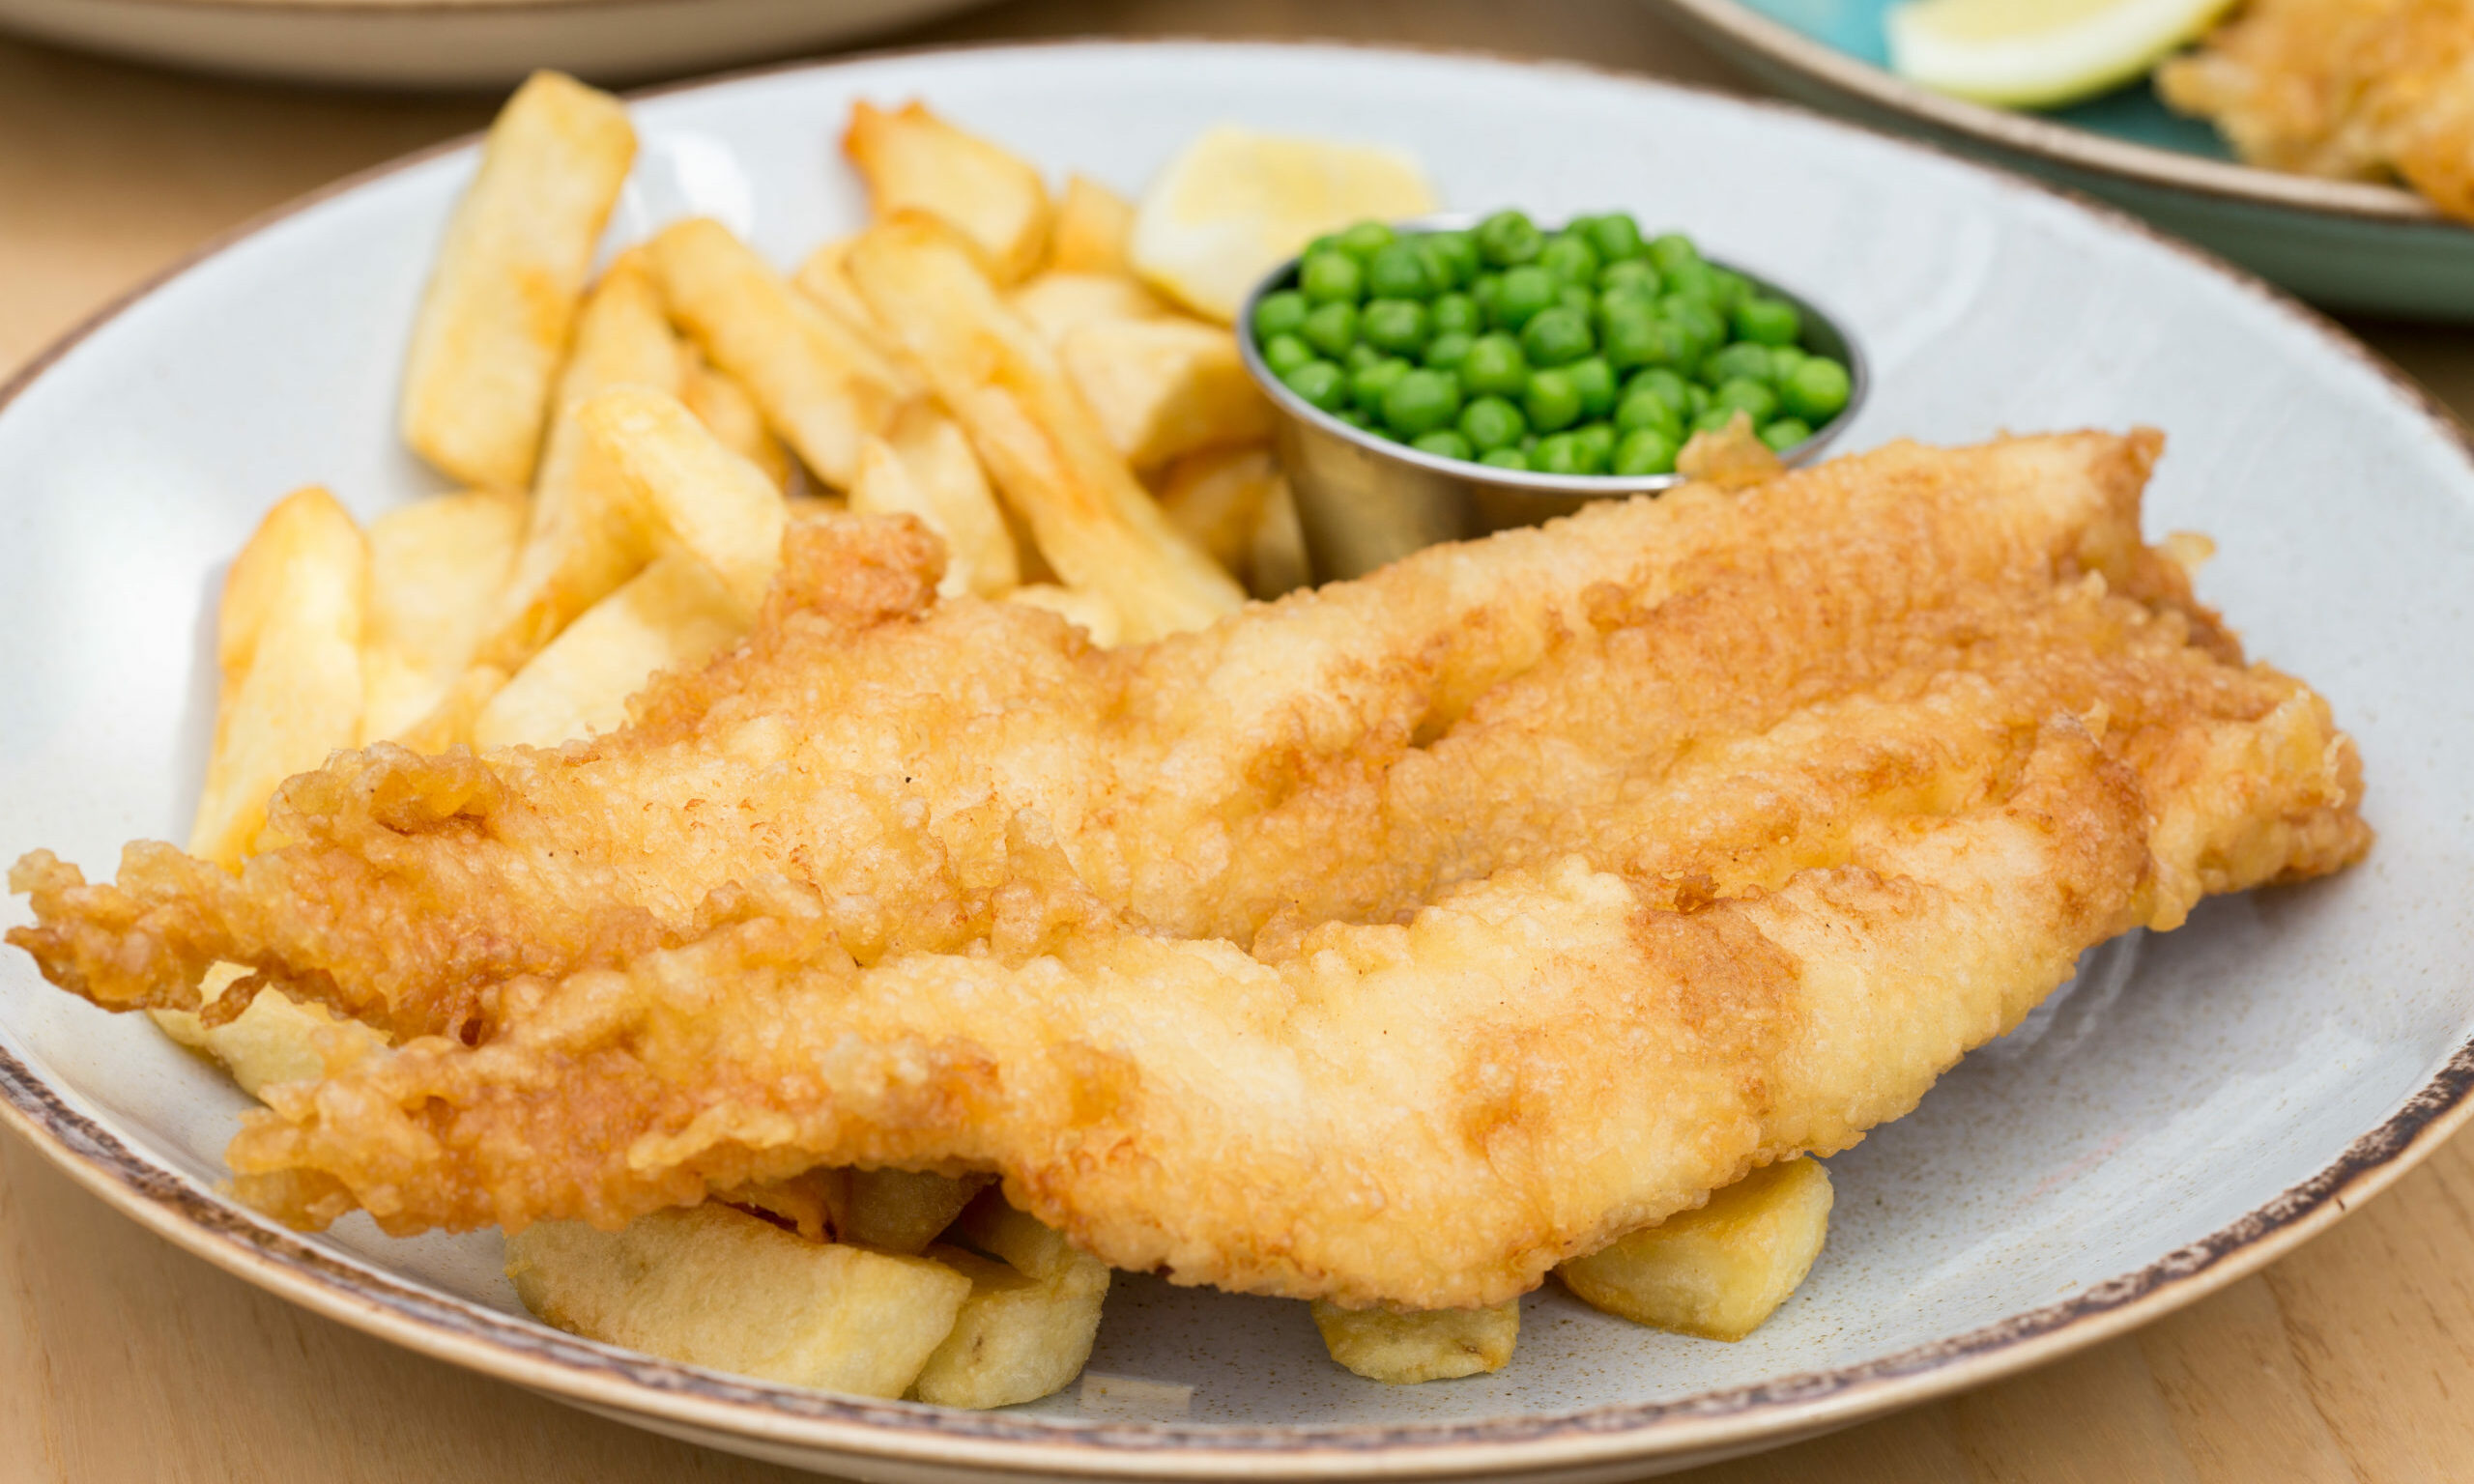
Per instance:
x=2348, y=245
x=2201, y=1101
x=457, y=44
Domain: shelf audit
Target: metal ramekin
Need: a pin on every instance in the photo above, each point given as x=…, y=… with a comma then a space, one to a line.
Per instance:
x=1365, y=501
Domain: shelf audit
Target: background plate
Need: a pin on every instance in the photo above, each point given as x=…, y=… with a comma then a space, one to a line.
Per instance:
x=2344, y=243
x=457, y=44
x=2197, y=1106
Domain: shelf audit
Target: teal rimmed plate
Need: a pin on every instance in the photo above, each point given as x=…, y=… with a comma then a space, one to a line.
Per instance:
x=2342, y=243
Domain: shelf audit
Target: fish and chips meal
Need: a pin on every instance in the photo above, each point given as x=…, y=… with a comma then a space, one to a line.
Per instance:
x=816, y=840
x=2351, y=90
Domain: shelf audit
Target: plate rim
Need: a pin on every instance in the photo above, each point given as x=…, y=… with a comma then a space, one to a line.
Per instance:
x=632, y=1385
x=2035, y=135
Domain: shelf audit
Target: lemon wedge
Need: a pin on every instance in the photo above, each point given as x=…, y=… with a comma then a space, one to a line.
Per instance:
x=2038, y=53
x=1235, y=203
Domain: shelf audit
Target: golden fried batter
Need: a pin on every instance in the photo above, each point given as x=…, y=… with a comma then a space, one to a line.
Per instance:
x=1391, y=943
x=2350, y=89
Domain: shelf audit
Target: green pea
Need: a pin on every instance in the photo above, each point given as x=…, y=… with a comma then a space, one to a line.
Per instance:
x=1594, y=444
x=1331, y=277
x=1284, y=354
x=1715, y=418
x=1365, y=238
x=1730, y=362
x=1594, y=380
x=1443, y=444
x=1552, y=402
x=1670, y=250
x=1629, y=274
x=1569, y=258
x=1696, y=400
x=1646, y=411
x=1703, y=332
x=1399, y=272
x=1578, y=298
x=1421, y=402
x=1526, y=289
x=1729, y=288
x=1491, y=423
x=1661, y=382
x=1635, y=336
x=1692, y=281
x=1644, y=451
x=1783, y=361
x=1785, y=433
x=1508, y=238
x=1395, y=324
x=1362, y=355
x=1505, y=458
x=1279, y=314
x=1483, y=292
x=1556, y=454
x=1768, y=320
x=1366, y=386
x=1320, y=382
x=1329, y=241
x=1458, y=251
x=1754, y=397
x=1454, y=313
x=1816, y=391
x=1623, y=298
x=1556, y=337
x=1332, y=328
x=1495, y=366
x=1446, y=353
x=1616, y=235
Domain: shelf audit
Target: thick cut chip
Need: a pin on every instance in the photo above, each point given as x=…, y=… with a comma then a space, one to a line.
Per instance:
x=582, y=538
x=495, y=319
x=1018, y=1338
x=915, y=161
x=692, y=491
x=902, y=1210
x=1093, y=224
x=288, y=640
x=1046, y=454
x=1165, y=386
x=1216, y=497
x=1720, y=1270
x=1428, y=1344
x=815, y=1203
x=1078, y=606
x=1278, y=563
x=1226, y=210
x=727, y=412
x=715, y=1287
x=275, y=1038
x=436, y=567
x=673, y=614
x=1058, y=303
x=931, y=473
x=819, y=381
x=820, y=277
x=451, y=723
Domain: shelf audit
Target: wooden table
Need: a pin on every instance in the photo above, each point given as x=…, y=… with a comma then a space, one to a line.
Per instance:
x=121, y=1358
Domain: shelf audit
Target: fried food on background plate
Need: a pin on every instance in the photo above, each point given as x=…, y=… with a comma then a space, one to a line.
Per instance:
x=1389, y=944
x=2348, y=89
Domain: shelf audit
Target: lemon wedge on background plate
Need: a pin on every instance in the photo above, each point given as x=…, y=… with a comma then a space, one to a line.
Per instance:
x=1235, y=203
x=2038, y=53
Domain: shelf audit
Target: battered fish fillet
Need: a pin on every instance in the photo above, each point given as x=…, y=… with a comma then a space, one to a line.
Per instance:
x=2352, y=89
x=1392, y=943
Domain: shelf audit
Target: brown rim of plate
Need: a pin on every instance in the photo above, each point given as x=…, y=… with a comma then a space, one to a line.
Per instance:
x=391, y=9
x=600, y=1377
x=2031, y=133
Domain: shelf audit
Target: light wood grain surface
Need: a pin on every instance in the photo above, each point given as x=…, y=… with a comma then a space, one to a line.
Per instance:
x=121, y=1358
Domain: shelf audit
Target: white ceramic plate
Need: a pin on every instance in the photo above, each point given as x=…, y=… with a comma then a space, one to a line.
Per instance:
x=457, y=44
x=2204, y=1100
